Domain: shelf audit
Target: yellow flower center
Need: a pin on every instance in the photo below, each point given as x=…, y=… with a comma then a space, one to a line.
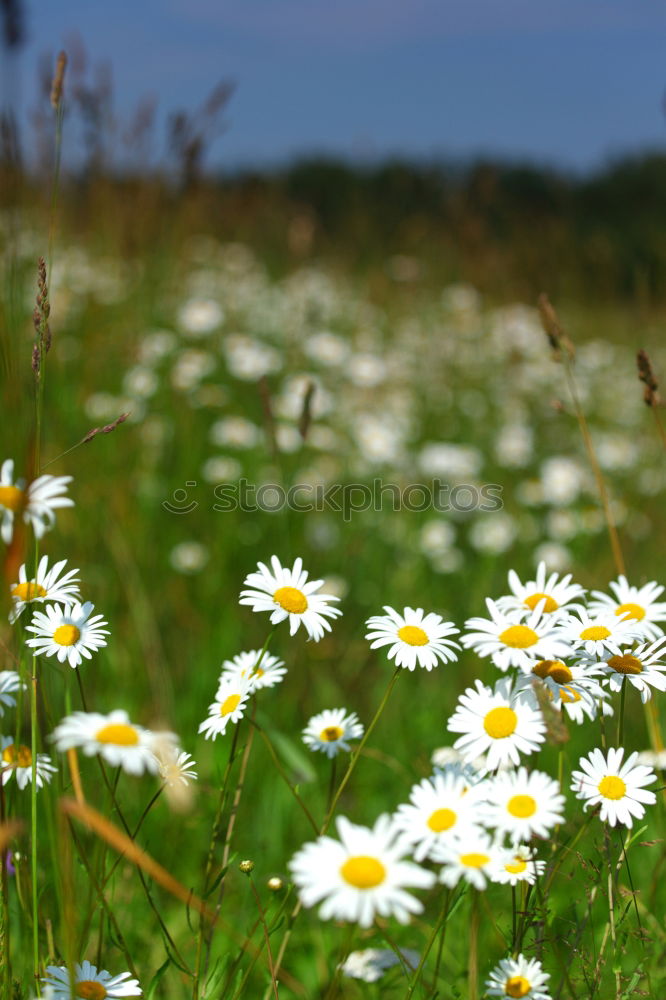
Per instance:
x=230, y=704
x=118, y=733
x=517, y=866
x=555, y=669
x=474, y=860
x=290, y=599
x=11, y=497
x=90, y=990
x=519, y=637
x=331, y=733
x=413, y=635
x=66, y=635
x=521, y=806
x=568, y=694
x=595, y=632
x=626, y=664
x=258, y=672
x=19, y=755
x=28, y=591
x=612, y=787
x=442, y=819
x=534, y=599
x=631, y=611
x=363, y=872
x=500, y=722
x=517, y=986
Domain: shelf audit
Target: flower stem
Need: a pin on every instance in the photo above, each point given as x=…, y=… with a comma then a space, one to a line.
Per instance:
x=473, y=963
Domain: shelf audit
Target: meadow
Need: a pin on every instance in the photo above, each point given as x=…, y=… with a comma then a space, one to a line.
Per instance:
x=438, y=440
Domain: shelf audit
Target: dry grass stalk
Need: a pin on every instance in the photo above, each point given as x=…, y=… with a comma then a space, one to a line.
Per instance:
x=305, y=418
x=58, y=80
x=107, y=429
x=557, y=337
x=646, y=375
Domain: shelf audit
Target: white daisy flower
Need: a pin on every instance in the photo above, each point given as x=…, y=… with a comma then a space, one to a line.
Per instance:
x=617, y=787
x=518, y=977
x=472, y=859
x=598, y=634
x=70, y=633
x=414, y=637
x=9, y=683
x=518, y=865
x=120, y=742
x=47, y=585
x=371, y=964
x=37, y=503
x=285, y=593
x=578, y=704
x=565, y=686
x=654, y=758
x=523, y=804
x=511, y=642
x=88, y=982
x=441, y=810
x=17, y=759
x=330, y=731
x=551, y=593
x=644, y=667
x=176, y=767
x=636, y=604
x=229, y=706
x=359, y=876
x=495, y=723
x=268, y=673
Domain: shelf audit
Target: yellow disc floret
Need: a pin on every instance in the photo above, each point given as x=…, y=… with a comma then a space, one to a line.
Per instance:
x=555, y=669
x=626, y=664
x=230, y=704
x=331, y=733
x=629, y=610
x=363, y=872
x=441, y=819
x=517, y=866
x=521, y=806
x=413, y=635
x=118, y=733
x=291, y=600
x=474, y=860
x=11, y=497
x=66, y=635
x=28, y=591
x=89, y=989
x=534, y=599
x=517, y=986
x=595, y=632
x=612, y=787
x=18, y=755
x=500, y=722
x=519, y=637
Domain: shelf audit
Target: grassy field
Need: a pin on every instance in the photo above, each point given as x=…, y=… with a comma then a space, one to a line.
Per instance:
x=235, y=372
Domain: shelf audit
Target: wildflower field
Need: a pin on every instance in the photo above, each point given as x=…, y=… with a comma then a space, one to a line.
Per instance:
x=332, y=636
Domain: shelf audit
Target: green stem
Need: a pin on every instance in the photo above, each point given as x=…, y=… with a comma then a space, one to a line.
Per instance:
x=283, y=774
x=473, y=964
x=439, y=925
x=620, y=723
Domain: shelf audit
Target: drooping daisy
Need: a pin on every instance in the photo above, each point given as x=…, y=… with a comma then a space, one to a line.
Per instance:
x=644, y=667
x=471, y=859
x=617, y=787
x=517, y=865
x=360, y=875
x=16, y=759
x=495, y=723
x=285, y=593
x=523, y=804
x=120, y=742
x=598, y=634
x=330, y=731
x=511, y=641
x=414, y=637
x=518, y=977
x=551, y=593
x=47, y=585
x=229, y=706
x=371, y=964
x=260, y=671
x=70, y=633
x=637, y=604
x=90, y=983
x=564, y=686
x=37, y=503
x=441, y=810
x=9, y=683
x=578, y=705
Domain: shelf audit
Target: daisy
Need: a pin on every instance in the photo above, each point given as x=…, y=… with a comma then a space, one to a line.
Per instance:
x=511, y=642
x=577, y=704
x=414, y=637
x=263, y=673
x=370, y=964
x=37, y=504
x=330, y=730
x=70, y=633
x=637, y=604
x=472, y=860
x=176, y=767
x=9, y=682
x=360, y=875
x=518, y=977
x=120, y=742
x=441, y=810
x=616, y=786
x=17, y=759
x=494, y=722
x=47, y=585
x=229, y=706
x=286, y=594
x=599, y=633
x=551, y=593
x=644, y=667
x=522, y=805
x=518, y=865
x=563, y=685
x=88, y=982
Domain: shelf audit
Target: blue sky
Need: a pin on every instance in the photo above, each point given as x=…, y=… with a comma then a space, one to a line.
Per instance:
x=566, y=82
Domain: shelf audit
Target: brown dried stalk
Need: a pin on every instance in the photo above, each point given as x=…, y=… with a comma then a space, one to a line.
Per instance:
x=58, y=80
